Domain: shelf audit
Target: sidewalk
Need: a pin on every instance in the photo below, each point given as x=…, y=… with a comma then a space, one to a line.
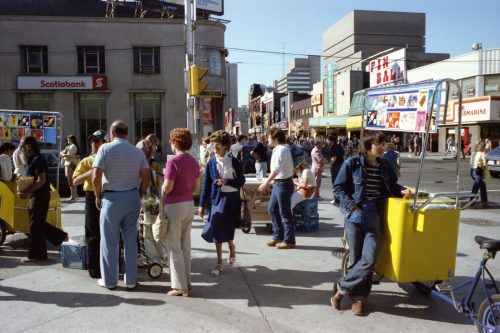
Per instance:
x=269, y=290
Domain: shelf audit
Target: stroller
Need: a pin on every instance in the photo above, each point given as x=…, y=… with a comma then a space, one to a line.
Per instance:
x=152, y=253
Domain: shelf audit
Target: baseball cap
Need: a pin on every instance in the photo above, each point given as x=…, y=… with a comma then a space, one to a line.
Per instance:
x=99, y=134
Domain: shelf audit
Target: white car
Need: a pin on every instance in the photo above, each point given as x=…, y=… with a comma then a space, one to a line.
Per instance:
x=493, y=159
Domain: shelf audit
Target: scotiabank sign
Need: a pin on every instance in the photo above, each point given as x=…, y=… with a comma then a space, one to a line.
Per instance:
x=94, y=82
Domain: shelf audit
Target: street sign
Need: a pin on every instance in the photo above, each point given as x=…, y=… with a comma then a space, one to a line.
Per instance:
x=211, y=93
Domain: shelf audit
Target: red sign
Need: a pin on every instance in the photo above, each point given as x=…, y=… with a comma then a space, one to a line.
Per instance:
x=94, y=82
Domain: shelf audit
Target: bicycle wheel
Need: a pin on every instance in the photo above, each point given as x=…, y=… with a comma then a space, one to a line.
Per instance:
x=487, y=316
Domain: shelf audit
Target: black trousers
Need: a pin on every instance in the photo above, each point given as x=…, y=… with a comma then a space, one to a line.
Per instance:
x=92, y=235
x=40, y=230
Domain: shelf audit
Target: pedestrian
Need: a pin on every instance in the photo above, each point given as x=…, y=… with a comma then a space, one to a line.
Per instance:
x=462, y=149
x=411, y=142
x=487, y=145
x=83, y=175
x=349, y=148
x=38, y=194
x=182, y=178
x=392, y=157
x=279, y=207
x=71, y=157
x=450, y=145
x=220, y=195
x=317, y=166
x=19, y=159
x=149, y=145
x=305, y=185
x=336, y=158
x=6, y=151
x=363, y=184
x=156, y=178
x=120, y=179
x=237, y=149
x=478, y=172
x=259, y=153
x=418, y=144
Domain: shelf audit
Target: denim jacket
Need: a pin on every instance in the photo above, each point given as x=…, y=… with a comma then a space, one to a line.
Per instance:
x=350, y=183
x=210, y=193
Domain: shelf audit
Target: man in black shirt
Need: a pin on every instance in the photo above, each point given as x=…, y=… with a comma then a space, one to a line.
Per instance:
x=336, y=158
x=259, y=153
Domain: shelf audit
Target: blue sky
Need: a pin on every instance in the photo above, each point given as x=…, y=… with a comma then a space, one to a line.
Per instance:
x=452, y=26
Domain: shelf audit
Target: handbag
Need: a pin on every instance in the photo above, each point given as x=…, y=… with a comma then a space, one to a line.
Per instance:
x=208, y=232
x=245, y=219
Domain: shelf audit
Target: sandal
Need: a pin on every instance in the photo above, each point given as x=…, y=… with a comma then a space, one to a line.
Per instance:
x=178, y=292
x=232, y=255
x=218, y=269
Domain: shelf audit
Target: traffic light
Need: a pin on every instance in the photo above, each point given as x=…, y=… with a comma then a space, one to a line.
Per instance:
x=196, y=86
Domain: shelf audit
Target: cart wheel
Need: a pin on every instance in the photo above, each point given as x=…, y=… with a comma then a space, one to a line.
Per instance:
x=269, y=228
x=345, y=262
x=487, y=316
x=3, y=232
x=246, y=230
x=142, y=261
x=155, y=270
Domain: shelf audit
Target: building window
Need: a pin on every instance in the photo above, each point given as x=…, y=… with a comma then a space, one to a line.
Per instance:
x=147, y=108
x=92, y=110
x=214, y=62
x=90, y=59
x=34, y=59
x=147, y=60
x=492, y=85
x=36, y=102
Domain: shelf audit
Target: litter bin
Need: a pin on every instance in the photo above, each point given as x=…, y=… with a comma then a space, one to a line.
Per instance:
x=419, y=245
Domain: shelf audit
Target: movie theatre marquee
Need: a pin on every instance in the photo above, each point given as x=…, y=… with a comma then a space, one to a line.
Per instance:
x=93, y=82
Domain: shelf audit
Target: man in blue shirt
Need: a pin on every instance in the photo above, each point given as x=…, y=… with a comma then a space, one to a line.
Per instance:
x=120, y=178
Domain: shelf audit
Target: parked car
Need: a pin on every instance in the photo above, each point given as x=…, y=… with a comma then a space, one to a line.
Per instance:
x=493, y=159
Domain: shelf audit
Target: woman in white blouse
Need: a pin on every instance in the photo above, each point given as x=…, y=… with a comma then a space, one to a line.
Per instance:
x=220, y=195
x=71, y=156
x=478, y=171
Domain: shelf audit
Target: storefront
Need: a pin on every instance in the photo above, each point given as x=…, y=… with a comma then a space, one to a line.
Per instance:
x=324, y=126
x=480, y=119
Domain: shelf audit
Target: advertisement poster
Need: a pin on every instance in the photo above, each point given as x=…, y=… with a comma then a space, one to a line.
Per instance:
x=14, y=125
x=399, y=109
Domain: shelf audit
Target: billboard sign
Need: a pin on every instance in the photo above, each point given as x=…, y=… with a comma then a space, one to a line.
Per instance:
x=330, y=70
x=16, y=124
x=401, y=109
x=215, y=7
x=94, y=82
x=388, y=70
x=485, y=108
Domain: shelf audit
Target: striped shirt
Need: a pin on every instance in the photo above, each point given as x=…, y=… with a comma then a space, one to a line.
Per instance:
x=373, y=189
x=121, y=163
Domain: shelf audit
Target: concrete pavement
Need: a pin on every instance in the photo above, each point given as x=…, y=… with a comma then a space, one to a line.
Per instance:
x=269, y=290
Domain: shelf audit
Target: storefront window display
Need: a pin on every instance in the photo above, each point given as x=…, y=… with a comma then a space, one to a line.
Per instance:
x=147, y=108
x=93, y=117
x=36, y=102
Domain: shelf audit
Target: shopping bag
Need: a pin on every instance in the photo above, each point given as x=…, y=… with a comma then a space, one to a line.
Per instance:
x=160, y=226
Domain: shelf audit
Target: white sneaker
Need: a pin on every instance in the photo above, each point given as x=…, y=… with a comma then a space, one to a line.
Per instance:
x=332, y=202
x=101, y=283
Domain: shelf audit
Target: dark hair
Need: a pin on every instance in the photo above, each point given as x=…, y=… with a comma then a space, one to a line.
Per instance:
x=369, y=138
x=241, y=137
x=277, y=134
x=221, y=137
x=74, y=141
x=6, y=146
x=332, y=139
x=181, y=138
x=30, y=140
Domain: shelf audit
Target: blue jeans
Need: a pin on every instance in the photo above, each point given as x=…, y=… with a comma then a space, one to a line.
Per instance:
x=280, y=210
x=479, y=184
x=260, y=170
x=363, y=236
x=119, y=213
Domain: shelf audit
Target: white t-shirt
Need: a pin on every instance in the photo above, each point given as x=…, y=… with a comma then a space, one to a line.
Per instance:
x=19, y=162
x=6, y=167
x=226, y=171
x=309, y=175
x=476, y=159
x=282, y=162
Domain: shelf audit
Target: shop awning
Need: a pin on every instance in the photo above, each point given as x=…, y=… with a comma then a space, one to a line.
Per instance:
x=354, y=123
x=336, y=121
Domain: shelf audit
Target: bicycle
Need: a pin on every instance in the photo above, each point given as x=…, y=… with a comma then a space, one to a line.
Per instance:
x=487, y=317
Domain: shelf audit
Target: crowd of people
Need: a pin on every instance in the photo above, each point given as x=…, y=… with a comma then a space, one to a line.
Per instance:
x=116, y=175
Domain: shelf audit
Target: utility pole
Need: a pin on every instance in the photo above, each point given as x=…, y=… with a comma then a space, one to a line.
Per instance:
x=191, y=110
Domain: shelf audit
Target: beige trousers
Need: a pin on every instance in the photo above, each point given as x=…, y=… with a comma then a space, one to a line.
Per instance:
x=180, y=216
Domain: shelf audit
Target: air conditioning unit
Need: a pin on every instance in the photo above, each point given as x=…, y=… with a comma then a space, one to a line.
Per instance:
x=147, y=70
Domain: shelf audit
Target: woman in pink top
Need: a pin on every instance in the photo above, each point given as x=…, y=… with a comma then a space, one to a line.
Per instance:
x=317, y=166
x=182, y=173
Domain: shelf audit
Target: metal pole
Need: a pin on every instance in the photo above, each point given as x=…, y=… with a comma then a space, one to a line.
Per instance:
x=188, y=36
x=196, y=115
x=459, y=146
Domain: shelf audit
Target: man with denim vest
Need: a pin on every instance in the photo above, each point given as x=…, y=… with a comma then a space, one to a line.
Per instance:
x=364, y=182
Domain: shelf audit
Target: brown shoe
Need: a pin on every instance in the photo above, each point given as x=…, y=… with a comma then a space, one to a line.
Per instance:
x=273, y=242
x=284, y=246
x=336, y=299
x=358, y=308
